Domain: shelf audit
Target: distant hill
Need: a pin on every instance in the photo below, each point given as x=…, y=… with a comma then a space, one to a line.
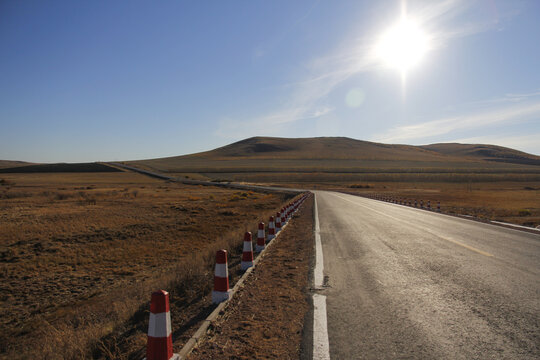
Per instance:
x=316, y=148
x=341, y=154
x=485, y=152
x=12, y=164
x=60, y=168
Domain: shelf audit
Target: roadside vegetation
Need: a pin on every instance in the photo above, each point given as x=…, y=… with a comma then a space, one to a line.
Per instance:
x=80, y=255
x=513, y=202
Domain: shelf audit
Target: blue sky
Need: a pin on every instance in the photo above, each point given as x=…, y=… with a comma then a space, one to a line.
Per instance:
x=102, y=80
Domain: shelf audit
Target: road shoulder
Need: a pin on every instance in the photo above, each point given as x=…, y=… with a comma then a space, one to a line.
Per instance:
x=266, y=318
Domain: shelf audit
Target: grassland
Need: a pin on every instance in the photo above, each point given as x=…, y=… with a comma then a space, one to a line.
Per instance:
x=59, y=168
x=81, y=253
x=345, y=155
x=486, y=197
x=12, y=164
x=513, y=202
x=486, y=181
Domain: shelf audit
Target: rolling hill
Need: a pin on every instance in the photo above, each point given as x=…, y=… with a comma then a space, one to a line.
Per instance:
x=341, y=154
x=11, y=164
x=485, y=152
x=59, y=168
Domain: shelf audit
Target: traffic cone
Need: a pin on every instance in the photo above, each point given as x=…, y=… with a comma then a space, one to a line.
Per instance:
x=159, y=343
x=221, y=278
x=247, y=254
x=260, y=238
x=271, y=229
x=278, y=222
x=438, y=206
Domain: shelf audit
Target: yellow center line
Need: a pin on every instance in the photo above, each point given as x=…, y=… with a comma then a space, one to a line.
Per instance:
x=423, y=229
x=467, y=246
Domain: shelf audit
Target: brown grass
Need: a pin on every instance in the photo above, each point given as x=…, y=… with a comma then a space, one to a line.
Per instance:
x=480, y=180
x=513, y=202
x=81, y=253
x=345, y=155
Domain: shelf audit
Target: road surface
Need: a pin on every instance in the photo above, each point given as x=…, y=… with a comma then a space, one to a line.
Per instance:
x=408, y=283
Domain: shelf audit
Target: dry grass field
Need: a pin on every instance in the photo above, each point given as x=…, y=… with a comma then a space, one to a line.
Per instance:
x=485, y=181
x=81, y=253
x=513, y=202
x=12, y=164
x=516, y=202
x=345, y=155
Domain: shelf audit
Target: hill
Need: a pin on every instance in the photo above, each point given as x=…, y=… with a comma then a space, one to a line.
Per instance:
x=485, y=152
x=341, y=154
x=60, y=168
x=12, y=164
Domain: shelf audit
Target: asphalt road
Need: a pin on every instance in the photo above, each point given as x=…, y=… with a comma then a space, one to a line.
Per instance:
x=408, y=283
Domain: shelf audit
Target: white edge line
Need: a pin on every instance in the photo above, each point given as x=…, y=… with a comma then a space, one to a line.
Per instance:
x=508, y=226
x=319, y=261
x=515, y=226
x=321, y=346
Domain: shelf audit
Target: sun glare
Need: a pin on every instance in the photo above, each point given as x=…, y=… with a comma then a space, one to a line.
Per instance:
x=403, y=46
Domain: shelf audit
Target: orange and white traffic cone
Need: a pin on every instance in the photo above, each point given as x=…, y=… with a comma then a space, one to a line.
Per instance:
x=278, y=222
x=159, y=344
x=247, y=253
x=271, y=229
x=221, y=278
x=260, y=238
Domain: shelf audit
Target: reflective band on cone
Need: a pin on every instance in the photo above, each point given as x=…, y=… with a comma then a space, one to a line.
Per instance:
x=247, y=253
x=221, y=278
x=271, y=229
x=260, y=238
x=159, y=345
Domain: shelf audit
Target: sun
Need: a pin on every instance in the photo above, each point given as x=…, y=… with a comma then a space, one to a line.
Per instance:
x=403, y=46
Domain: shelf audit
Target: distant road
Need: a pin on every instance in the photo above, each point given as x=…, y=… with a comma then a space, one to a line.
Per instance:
x=408, y=283
x=206, y=183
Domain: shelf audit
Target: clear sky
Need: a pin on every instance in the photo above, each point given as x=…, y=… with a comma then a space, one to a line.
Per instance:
x=122, y=80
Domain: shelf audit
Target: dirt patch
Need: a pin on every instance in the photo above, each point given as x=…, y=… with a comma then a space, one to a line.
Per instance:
x=265, y=319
